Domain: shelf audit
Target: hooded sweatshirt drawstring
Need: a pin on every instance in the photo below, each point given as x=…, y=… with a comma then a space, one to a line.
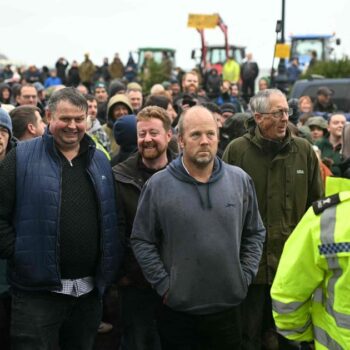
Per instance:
x=178, y=169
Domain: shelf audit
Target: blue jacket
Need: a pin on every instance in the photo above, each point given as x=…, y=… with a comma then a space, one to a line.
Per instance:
x=38, y=190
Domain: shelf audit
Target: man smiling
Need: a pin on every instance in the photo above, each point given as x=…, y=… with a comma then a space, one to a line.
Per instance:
x=138, y=299
x=59, y=230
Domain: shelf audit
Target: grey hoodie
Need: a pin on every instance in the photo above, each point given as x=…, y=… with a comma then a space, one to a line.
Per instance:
x=201, y=242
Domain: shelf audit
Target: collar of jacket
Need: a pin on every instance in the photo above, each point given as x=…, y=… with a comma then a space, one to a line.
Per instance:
x=128, y=171
x=86, y=141
x=269, y=146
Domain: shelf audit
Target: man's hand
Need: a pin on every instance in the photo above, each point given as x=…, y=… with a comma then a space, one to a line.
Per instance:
x=165, y=297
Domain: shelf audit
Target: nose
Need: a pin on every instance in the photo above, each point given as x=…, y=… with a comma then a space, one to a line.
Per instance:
x=285, y=115
x=71, y=124
x=204, y=139
x=148, y=137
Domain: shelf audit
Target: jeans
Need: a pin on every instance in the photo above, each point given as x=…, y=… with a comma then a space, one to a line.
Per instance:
x=138, y=316
x=182, y=331
x=41, y=320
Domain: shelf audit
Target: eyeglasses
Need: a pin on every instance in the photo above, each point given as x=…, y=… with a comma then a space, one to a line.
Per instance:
x=280, y=113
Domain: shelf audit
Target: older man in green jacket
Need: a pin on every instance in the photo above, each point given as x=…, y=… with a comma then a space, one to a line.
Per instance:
x=287, y=179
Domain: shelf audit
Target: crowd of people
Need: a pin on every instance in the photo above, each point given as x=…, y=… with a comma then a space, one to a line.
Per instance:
x=182, y=198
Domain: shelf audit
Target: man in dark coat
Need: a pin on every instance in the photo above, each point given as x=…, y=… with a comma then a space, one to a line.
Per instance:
x=287, y=179
x=249, y=72
x=58, y=224
x=138, y=299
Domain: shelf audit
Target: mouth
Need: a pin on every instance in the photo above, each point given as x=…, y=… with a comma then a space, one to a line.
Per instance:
x=203, y=152
x=71, y=133
x=149, y=146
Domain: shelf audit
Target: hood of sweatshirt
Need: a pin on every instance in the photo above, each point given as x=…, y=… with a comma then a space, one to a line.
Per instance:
x=177, y=169
x=119, y=98
x=124, y=131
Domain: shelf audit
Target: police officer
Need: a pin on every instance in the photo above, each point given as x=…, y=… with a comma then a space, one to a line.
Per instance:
x=310, y=293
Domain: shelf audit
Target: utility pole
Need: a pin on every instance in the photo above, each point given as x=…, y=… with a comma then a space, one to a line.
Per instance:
x=281, y=80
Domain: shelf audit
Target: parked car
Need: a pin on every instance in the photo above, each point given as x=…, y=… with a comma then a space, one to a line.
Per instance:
x=340, y=88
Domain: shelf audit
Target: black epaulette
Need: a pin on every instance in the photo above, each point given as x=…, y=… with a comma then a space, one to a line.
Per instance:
x=324, y=203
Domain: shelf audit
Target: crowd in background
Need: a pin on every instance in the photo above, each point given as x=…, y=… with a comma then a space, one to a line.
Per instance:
x=117, y=101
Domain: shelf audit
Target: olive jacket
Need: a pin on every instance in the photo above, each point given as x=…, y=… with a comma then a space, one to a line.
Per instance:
x=287, y=179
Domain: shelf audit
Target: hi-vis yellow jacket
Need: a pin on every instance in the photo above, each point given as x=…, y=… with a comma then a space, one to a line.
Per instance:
x=311, y=290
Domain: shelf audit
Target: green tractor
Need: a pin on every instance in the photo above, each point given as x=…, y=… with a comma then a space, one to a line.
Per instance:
x=155, y=65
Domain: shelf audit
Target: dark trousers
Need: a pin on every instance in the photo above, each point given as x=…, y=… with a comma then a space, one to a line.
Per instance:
x=138, y=306
x=41, y=320
x=5, y=320
x=258, y=324
x=248, y=89
x=182, y=331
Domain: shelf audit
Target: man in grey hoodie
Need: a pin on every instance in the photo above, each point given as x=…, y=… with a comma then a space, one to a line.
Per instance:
x=198, y=238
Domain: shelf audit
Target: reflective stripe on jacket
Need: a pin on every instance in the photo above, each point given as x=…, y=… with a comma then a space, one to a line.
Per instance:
x=311, y=290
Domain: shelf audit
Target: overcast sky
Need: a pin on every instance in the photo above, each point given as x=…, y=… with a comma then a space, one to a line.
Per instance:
x=40, y=31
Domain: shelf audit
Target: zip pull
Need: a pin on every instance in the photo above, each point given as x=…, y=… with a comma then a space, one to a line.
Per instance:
x=70, y=163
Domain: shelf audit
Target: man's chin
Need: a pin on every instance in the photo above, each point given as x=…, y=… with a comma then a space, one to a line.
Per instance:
x=150, y=153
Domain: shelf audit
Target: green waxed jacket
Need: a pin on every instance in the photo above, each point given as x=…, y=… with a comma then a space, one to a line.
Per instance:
x=287, y=179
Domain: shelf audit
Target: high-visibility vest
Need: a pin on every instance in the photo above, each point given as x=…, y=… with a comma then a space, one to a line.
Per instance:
x=311, y=290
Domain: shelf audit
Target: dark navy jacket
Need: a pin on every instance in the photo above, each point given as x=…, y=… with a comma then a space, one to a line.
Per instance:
x=38, y=183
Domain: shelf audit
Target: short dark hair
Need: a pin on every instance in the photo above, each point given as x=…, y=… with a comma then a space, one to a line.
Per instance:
x=25, y=85
x=214, y=108
x=336, y=113
x=68, y=94
x=22, y=116
x=90, y=97
x=157, y=100
x=156, y=112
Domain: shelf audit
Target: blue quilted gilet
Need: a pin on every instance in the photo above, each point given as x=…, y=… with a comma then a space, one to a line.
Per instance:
x=38, y=194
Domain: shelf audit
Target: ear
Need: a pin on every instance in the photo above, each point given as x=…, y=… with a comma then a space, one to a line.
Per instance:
x=48, y=116
x=31, y=128
x=180, y=141
x=258, y=117
x=169, y=134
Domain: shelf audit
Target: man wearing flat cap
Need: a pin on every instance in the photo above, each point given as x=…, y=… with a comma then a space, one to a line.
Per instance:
x=324, y=101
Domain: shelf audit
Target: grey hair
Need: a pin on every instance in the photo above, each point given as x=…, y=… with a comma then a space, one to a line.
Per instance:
x=180, y=124
x=261, y=101
x=69, y=94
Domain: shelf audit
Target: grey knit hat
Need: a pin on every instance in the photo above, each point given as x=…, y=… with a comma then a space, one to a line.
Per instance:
x=5, y=121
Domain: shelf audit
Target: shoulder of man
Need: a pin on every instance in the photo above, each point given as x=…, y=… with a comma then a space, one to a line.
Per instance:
x=239, y=142
x=128, y=168
x=301, y=141
x=322, y=204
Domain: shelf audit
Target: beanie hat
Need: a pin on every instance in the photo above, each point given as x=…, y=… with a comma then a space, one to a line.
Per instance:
x=100, y=84
x=116, y=86
x=228, y=107
x=38, y=86
x=5, y=121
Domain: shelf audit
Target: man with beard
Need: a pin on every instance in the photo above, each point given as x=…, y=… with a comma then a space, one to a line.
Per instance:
x=190, y=88
x=138, y=299
x=198, y=238
x=287, y=179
